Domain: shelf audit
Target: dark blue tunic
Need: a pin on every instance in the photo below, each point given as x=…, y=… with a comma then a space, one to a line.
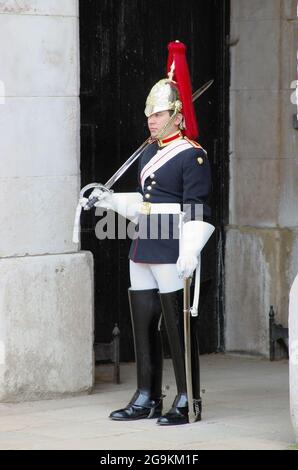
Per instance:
x=184, y=179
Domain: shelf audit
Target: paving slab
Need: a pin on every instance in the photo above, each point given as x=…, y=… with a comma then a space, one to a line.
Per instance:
x=245, y=407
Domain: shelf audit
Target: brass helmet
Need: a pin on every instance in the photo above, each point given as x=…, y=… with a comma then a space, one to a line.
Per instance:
x=163, y=96
x=174, y=93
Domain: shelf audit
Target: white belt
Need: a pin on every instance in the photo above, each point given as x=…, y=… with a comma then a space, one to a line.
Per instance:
x=149, y=208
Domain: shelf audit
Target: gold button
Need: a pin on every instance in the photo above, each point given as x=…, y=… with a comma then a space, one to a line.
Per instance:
x=152, y=176
x=200, y=160
x=149, y=188
x=147, y=196
x=153, y=182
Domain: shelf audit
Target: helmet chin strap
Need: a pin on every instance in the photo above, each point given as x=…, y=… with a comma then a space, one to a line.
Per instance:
x=162, y=132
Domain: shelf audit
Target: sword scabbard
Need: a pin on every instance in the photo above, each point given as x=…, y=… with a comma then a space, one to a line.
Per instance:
x=187, y=343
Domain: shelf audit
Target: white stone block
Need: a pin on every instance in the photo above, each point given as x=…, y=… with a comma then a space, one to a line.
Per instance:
x=255, y=57
x=248, y=290
x=255, y=123
x=292, y=265
x=288, y=206
x=289, y=135
x=254, y=192
x=2, y=92
x=288, y=55
x=256, y=9
x=260, y=265
x=293, y=350
x=289, y=9
x=42, y=58
x=40, y=7
x=39, y=137
x=37, y=215
x=46, y=326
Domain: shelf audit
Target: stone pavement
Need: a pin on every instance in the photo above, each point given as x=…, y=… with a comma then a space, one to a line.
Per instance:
x=245, y=406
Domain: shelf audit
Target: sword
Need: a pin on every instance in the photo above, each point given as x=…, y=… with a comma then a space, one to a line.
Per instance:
x=106, y=187
x=187, y=345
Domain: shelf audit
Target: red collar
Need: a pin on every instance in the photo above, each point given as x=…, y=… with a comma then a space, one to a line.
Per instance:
x=163, y=142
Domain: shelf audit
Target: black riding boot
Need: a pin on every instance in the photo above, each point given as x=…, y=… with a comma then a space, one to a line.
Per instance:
x=145, y=311
x=172, y=309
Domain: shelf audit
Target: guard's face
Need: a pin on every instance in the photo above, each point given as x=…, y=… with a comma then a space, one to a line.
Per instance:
x=157, y=121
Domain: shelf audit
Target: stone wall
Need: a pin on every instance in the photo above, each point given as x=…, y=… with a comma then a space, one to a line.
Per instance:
x=262, y=236
x=46, y=300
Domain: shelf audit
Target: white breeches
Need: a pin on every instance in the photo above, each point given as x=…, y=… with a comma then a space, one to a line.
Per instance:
x=163, y=277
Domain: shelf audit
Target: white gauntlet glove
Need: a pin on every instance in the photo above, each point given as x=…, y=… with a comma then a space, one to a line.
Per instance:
x=186, y=264
x=125, y=204
x=195, y=235
x=83, y=201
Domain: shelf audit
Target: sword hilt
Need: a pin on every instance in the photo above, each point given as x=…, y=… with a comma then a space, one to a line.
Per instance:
x=91, y=203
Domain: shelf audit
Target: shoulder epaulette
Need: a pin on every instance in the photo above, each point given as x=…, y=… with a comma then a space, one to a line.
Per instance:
x=193, y=143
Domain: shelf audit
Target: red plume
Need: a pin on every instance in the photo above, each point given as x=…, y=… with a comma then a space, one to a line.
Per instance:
x=181, y=75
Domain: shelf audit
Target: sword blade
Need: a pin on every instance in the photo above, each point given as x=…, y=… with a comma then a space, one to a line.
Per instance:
x=187, y=343
x=126, y=164
x=201, y=90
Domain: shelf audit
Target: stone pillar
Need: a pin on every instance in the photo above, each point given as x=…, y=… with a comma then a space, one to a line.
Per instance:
x=293, y=350
x=262, y=236
x=46, y=298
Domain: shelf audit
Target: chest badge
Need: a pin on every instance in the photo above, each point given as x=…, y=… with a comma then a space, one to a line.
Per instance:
x=200, y=160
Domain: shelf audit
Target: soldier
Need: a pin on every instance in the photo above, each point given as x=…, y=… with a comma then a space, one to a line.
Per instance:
x=173, y=172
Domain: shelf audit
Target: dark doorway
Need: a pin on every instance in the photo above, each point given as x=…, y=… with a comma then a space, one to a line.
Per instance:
x=123, y=48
